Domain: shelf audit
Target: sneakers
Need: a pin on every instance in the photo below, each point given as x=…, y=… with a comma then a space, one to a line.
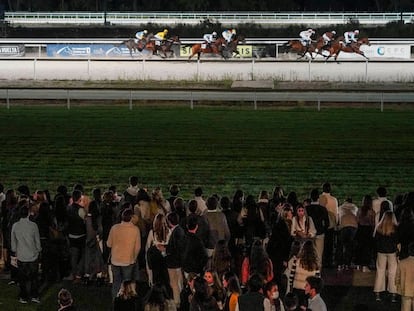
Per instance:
x=22, y=300
x=365, y=269
x=36, y=300
x=377, y=297
x=11, y=282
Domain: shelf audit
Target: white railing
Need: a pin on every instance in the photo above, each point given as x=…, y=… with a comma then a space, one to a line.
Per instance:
x=225, y=18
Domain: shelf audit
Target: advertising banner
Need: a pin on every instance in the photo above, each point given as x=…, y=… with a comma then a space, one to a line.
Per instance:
x=12, y=50
x=376, y=51
x=87, y=50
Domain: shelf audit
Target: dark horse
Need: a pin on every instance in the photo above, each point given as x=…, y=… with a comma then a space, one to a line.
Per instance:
x=339, y=45
x=165, y=48
x=220, y=46
x=297, y=46
x=135, y=45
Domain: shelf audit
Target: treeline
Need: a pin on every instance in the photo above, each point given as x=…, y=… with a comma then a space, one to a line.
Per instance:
x=208, y=5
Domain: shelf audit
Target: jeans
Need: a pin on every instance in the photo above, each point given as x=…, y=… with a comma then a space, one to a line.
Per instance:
x=121, y=274
x=28, y=279
x=386, y=264
x=346, y=251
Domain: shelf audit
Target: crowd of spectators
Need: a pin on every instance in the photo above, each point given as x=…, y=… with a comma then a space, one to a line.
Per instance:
x=214, y=253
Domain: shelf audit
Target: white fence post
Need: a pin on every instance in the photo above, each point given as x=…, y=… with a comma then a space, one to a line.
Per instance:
x=34, y=68
x=67, y=100
x=366, y=71
x=7, y=99
x=130, y=99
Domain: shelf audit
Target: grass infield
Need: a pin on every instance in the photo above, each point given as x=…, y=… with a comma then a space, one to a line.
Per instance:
x=220, y=149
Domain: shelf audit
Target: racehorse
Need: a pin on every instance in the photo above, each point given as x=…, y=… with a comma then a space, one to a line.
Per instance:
x=298, y=47
x=212, y=48
x=339, y=45
x=164, y=48
x=220, y=46
x=134, y=46
x=231, y=47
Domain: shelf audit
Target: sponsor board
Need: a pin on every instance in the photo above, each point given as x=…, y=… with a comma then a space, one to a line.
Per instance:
x=391, y=51
x=12, y=50
x=87, y=50
x=244, y=51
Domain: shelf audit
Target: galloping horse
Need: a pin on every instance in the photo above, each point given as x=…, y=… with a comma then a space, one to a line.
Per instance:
x=231, y=47
x=339, y=45
x=220, y=46
x=214, y=48
x=299, y=48
x=134, y=46
x=164, y=48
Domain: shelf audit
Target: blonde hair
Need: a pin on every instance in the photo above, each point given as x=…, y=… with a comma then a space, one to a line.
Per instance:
x=387, y=224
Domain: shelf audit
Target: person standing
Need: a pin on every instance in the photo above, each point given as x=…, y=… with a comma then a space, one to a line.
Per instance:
x=331, y=204
x=313, y=288
x=174, y=250
x=320, y=218
x=195, y=254
x=386, y=241
x=125, y=242
x=405, y=280
x=76, y=233
x=25, y=244
x=253, y=299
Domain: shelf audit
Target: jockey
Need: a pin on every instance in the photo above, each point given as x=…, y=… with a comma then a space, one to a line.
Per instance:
x=161, y=36
x=141, y=35
x=306, y=35
x=228, y=34
x=328, y=37
x=210, y=37
x=350, y=36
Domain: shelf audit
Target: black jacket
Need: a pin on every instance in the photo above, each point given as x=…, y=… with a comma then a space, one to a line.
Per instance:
x=175, y=248
x=194, y=255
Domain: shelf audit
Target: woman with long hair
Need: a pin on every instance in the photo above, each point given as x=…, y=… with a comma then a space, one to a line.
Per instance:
x=201, y=300
x=93, y=259
x=258, y=262
x=303, y=227
x=300, y=267
x=156, y=250
x=215, y=287
x=364, y=241
x=221, y=260
x=386, y=241
x=231, y=285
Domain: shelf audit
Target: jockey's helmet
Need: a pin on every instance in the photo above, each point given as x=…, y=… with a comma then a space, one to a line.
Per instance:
x=233, y=31
x=165, y=30
x=145, y=31
x=356, y=31
x=214, y=34
x=333, y=32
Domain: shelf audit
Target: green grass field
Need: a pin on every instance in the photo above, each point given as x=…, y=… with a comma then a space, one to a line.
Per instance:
x=221, y=149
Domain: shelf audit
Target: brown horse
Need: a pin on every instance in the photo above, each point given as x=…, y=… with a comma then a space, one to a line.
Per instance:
x=339, y=45
x=299, y=48
x=135, y=45
x=231, y=47
x=165, y=48
x=213, y=48
x=220, y=46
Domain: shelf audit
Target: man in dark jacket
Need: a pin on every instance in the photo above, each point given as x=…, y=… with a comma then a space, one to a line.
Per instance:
x=76, y=233
x=253, y=299
x=195, y=254
x=174, y=252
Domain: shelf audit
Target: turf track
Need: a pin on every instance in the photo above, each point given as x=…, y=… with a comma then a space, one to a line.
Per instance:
x=221, y=149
